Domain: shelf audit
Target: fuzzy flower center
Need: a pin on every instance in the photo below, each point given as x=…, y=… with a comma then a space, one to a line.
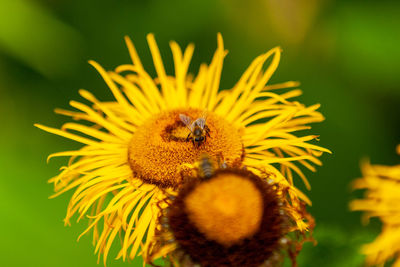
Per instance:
x=226, y=209
x=160, y=151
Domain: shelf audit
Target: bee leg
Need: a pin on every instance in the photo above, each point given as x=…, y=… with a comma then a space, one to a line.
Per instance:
x=188, y=136
x=207, y=130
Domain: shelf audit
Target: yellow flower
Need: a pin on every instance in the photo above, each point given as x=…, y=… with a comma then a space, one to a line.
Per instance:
x=231, y=217
x=137, y=148
x=382, y=184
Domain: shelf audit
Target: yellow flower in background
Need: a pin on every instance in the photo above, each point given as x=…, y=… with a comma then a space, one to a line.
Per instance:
x=382, y=196
x=140, y=147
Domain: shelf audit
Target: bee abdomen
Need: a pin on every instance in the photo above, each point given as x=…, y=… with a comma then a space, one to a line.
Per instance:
x=206, y=167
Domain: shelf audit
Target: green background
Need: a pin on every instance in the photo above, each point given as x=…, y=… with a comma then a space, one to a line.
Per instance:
x=345, y=53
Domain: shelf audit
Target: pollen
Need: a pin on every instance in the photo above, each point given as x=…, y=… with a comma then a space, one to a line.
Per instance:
x=160, y=152
x=227, y=200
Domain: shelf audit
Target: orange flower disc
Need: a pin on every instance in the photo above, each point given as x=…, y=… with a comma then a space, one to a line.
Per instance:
x=159, y=152
x=227, y=200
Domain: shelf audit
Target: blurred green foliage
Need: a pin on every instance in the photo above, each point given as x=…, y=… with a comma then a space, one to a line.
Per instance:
x=345, y=53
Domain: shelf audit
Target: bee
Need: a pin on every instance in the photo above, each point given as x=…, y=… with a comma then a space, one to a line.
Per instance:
x=198, y=128
x=205, y=166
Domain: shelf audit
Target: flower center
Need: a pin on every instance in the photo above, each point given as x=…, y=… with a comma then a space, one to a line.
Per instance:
x=226, y=208
x=160, y=149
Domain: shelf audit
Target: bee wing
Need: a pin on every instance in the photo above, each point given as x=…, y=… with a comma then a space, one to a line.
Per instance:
x=187, y=121
x=201, y=122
